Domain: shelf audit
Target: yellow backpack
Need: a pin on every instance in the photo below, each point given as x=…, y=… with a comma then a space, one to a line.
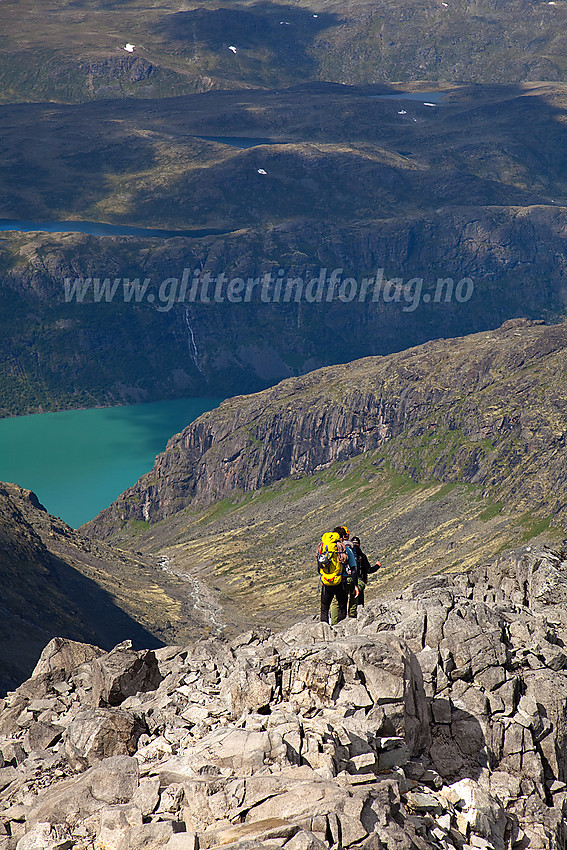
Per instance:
x=329, y=560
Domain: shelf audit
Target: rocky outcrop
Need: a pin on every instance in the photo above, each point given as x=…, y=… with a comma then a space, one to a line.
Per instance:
x=436, y=719
x=128, y=68
x=122, y=673
x=486, y=392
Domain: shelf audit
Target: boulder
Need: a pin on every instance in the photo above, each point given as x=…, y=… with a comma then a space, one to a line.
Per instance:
x=44, y=836
x=146, y=797
x=394, y=680
x=303, y=840
x=100, y=733
x=145, y=836
x=244, y=690
x=41, y=735
x=121, y=673
x=483, y=812
x=61, y=656
x=307, y=798
x=116, y=824
x=183, y=841
x=267, y=829
x=435, y=719
x=110, y=782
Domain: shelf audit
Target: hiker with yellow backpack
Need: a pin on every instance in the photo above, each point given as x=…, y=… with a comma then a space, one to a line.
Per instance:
x=354, y=599
x=335, y=561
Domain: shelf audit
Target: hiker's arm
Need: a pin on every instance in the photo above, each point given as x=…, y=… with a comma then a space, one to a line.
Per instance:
x=375, y=568
x=354, y=568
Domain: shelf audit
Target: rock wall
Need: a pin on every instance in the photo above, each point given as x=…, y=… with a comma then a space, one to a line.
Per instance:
x=437, y=719
x=488, y=408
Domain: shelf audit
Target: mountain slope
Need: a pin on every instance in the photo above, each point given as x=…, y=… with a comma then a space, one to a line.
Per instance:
x=474, y=188
x=75, y=50
x=57, y=582
x=438, y=457
x=437, y=719
x=486, y=409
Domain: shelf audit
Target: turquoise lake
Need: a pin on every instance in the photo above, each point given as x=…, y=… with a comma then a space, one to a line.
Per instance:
x=77, y=462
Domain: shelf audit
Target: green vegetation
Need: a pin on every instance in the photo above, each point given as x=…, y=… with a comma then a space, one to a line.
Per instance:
x=479, y=444
x=457, y=190
x=533, y=526
x=442, y=492
x=491, y=511
x=245, y=539
x=224, y=507
x=137, y=525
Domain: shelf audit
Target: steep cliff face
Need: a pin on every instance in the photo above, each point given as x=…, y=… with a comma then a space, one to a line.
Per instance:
x=488, y=409
x=220, y=349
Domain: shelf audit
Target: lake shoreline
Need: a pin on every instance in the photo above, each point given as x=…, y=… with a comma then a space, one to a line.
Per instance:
x=95, y=407
x=77, y=462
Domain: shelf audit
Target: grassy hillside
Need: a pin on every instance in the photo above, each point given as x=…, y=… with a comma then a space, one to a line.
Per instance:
x=256, y=551
x=438, y=457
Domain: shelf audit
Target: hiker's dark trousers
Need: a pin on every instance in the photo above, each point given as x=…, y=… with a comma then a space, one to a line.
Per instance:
x=327, y=593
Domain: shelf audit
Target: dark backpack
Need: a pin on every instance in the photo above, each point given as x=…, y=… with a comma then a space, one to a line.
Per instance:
x=348, y=570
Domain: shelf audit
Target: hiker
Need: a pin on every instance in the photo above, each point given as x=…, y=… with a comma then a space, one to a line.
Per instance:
x=364, y=569
x=358, y=583
x=349, y=579
x=332, y=559
x=351, y=576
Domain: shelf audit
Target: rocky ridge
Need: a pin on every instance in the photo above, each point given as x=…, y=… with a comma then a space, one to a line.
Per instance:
x=436, y=719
